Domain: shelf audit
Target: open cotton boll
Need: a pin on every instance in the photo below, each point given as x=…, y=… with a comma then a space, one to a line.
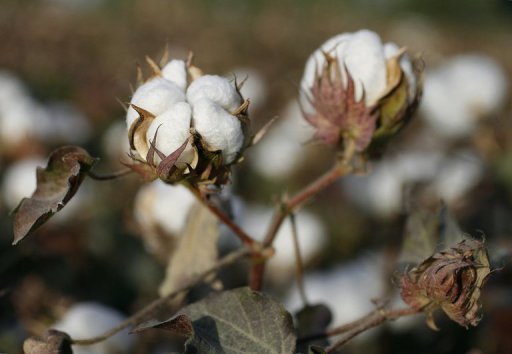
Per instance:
x=89, y=319
x=347, y=289
x=172, y=129
x=215, y=89
x=362, y=53
x=462, y=90
x=20, y=180
x=311, y=236
x=283, y=147
x=176, y=71
x=155, y=96
x=220, y=129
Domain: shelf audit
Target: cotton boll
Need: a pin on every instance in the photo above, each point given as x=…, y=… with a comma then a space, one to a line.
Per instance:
x=155, y=96
x=283, y=147
x=311, y=236
x=347, y=289
x=89, y=319
x=457, y=175
x=172, y=129
x=221, y=130
x=215, y=89
x=176, y=71
x=20, y=180
x=363, y=55
x=458, y=93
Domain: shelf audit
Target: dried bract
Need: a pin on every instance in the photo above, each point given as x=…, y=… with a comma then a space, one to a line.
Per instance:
x=450, y=280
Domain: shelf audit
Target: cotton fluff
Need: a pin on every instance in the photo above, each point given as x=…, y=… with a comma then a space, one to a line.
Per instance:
x=364, y=56
x=283, y=147
x=347, y=289
x=89, y=319
x=206, y=105
x=155, y=96
x=311, y=236
x=460, y=91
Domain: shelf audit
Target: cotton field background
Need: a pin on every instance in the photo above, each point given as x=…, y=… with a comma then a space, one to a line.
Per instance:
x=67, y=67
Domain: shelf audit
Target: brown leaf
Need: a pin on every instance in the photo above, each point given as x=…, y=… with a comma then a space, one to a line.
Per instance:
x=196, y=251
x=55, y=343
x=56, y=185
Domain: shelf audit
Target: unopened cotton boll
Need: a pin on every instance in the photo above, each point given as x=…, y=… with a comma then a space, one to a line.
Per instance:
x=310, y=232
x=462, y=90
x=89, y=319
x=347, y=289
x=156, y=96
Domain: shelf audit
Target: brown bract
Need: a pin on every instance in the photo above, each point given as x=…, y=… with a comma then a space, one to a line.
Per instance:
x=451, y=280
x=338, y=117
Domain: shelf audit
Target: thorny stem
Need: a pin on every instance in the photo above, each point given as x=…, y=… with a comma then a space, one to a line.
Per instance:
x=110, y=176
x=287, y=207
x=156, y=304
x=352, y=329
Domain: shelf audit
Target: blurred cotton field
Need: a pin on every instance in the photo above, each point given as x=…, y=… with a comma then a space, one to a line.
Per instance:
x=69, y=70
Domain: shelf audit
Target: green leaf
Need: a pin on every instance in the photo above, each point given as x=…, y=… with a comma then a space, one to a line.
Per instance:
x=234, y=321
x=55, y=343
x=196, y=251
x=56, y=185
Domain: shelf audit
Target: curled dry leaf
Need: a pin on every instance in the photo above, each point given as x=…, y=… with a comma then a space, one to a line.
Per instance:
x=56, y=185
x=234, y=321
x=56, y=342
x=450, y=280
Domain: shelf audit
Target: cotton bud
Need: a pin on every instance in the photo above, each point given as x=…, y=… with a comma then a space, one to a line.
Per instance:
x=184, y=125
x=450, y=280
x=357, y=90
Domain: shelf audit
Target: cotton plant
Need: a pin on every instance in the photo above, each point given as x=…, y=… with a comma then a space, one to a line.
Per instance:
x=461, y=91
x=186, y=131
